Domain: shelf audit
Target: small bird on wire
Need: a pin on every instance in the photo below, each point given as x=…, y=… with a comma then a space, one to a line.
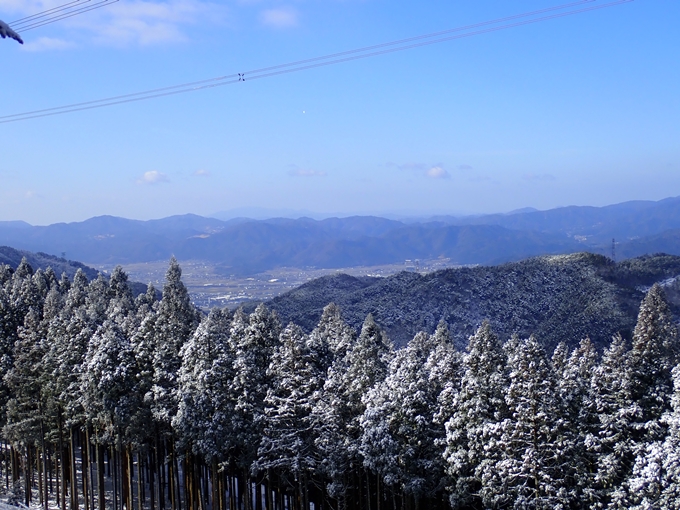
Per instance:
x=6, y=31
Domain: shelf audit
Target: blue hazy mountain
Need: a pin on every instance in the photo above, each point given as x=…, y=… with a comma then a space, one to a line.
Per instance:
x=625, y=221
x=242, y=245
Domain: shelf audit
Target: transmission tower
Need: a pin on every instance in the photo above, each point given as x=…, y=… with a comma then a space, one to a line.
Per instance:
x=614, y=249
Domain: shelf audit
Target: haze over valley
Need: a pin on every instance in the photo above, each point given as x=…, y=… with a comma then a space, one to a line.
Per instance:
x=240, y=260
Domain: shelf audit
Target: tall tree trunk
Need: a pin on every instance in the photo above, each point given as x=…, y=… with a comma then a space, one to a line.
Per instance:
x=368, y=489
x=171, y=483
x=152, y=489
x=215, y=486
x=205, y=474
x=60, y=476
x=38, y=465
x=176, y=470
x=51, y=469
x=130, y=477
x=90, y=467
x=85, y=471
x=202, y=483
x=232, y=493
x=6, y=454
x=44, y=459
x=160, y=464
x=15, y=467
x=47, y=474
x=141, y=496
x=269, y=490
x=72, y=470
x=377, y=491
x=113, y=456
x=124, y=477
x=187, y=483
x=101, y=494
x=27, y=477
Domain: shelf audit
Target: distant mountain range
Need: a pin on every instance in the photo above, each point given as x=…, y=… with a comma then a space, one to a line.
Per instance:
x=625, y=221
x=243, y=245
x=562, y=298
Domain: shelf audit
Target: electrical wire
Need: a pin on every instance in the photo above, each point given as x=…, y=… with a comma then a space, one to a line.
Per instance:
x=103, y=3
x=58, y=13
x=315, y=59
x=45, y=13
x=311, y=63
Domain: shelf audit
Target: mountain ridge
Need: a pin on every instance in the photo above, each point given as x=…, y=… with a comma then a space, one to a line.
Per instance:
x=247, y=246
x=560, y=298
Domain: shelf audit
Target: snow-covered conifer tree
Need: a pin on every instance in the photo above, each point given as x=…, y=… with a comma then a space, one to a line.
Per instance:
x=253, y=340
x=287, y=445
x=204, y=418
x=472, y=431
x=25, y=408
x=648, y=380
x=175, y=322
x=8, y=337
x=107, y=380
x=655, y=482
x=332, y=337
x=647, y=387
x=339, y=407
x=399, y=430
x=611, y=445
x=578, y=399
x=530, y=472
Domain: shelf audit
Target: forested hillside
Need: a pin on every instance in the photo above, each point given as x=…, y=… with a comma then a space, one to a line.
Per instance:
x=114, y=402
x=12, y=257
x=55, y=266
x=557, y=298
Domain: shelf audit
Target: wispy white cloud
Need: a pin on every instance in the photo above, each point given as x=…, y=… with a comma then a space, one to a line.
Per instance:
x=419, y=167
x=465, y=167
x=128, y=22
x=153, y=177
x=437, y=172
x=539, y=177
x=430, y=171
x=280, y=17
x=304, y=172
x=202, y=173
x=48, y=44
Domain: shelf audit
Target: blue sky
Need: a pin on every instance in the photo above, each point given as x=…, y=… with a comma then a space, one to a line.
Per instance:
x=579, y=110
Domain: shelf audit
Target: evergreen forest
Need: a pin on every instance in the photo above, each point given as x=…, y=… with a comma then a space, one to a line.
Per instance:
x=111, y=402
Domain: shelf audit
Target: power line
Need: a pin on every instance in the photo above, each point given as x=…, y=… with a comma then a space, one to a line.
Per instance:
x=103, y=3
x=44, y=13
x=57, y=14
x=305, y=61
x=299, y=65
x=300, y=62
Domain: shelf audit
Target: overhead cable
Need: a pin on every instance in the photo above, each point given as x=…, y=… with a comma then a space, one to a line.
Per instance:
x=48, y=11
x=326, y=60
x=58, y=13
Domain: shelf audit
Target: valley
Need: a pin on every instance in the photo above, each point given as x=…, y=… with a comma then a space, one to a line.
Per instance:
x=210, y=286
